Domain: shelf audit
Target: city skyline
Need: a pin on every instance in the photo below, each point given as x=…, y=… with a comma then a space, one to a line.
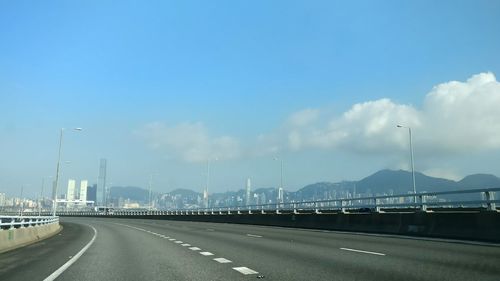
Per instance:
x=161, y=88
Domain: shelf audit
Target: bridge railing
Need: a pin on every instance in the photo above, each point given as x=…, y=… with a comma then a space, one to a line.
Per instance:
x=473, y=198
x=11, y=222
x=419, y=201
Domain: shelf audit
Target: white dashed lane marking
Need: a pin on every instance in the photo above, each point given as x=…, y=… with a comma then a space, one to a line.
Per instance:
x=242, y=269
x=361, y=251
x=222, y=260
x=245, y=270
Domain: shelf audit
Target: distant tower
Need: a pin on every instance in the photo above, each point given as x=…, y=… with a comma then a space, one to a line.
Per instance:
x=70, y=194
x=101, y=183
x=83, y=191
x=249, y=186
x=281, y=195
x=92, y=194
x=205, y=198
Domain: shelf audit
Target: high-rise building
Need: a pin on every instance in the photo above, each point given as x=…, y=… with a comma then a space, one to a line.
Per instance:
x=248, y=191
x=92, y=193
x=2, y=199
x=70, y=194
x=83, y=191
x=101, y=183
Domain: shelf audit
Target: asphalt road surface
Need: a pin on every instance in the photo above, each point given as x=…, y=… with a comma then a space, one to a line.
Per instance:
x=137, y=249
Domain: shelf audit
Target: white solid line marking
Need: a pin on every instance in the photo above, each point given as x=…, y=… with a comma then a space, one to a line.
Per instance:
x=253, y=235
x=65, y=266
x=222, y=260
x=185, y=245
x=194, y=249
x=206, y=253
x=245, y=270
x=361, y=251
x=178, y=242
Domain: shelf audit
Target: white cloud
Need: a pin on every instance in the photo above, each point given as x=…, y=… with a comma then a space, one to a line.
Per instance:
x=455, y=117
x=189, y=141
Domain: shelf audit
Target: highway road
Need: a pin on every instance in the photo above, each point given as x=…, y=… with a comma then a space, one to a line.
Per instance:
x=137, y=249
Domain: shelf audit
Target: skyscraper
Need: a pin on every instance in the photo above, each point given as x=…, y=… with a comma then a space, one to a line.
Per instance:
x=70, y=194
x=83, y=191
x=248, y=198
x=101, y=183
x=92, y=193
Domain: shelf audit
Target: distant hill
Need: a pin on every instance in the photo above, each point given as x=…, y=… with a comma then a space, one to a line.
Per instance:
x=184, y=192
x=381, y=182
x=400, y=182
x=479, y=181
x=129, y=192
x=394, y=182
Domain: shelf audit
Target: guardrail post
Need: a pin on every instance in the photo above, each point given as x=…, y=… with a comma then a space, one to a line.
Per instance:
x=316, y=208
x=295, y=208
x=490, y=196
x=239, y=211
x=262, y=210
x=228, y=210
x=342, y=206
x=377, y=207
x=423, y=206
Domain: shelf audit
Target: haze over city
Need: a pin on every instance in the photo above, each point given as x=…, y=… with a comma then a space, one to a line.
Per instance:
x=161, y=88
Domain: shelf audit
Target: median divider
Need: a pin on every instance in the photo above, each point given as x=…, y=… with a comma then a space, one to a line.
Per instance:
x=477, y=226
x=14, y=238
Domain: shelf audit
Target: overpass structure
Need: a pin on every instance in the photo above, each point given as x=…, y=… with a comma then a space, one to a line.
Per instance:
x=318, y=240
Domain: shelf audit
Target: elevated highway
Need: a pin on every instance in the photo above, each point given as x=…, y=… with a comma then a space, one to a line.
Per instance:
x=145, y=249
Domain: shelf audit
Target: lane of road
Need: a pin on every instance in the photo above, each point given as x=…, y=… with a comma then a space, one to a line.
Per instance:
x=133, y=249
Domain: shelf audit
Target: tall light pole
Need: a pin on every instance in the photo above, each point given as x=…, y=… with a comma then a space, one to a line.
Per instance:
x=151, y=192
x=54, y=202
x=280, y=189
x=41, y=196
x=205, y=192
x=411, y=159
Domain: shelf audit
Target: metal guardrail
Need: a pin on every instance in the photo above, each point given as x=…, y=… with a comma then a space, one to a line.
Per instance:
x=401, y=202
x=11, y=222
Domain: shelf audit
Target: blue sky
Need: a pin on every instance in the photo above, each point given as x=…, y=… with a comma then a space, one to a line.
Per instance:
x=152, y=82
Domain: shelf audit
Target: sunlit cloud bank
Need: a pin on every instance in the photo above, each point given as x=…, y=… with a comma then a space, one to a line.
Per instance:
x=190, y=142
x=455, y=117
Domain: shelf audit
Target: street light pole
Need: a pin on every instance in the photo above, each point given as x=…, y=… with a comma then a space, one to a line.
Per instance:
x=150, y=197
x=281, y=180
x=412, y=162
x=41, y=197
x=205, y=193
x=54, y=201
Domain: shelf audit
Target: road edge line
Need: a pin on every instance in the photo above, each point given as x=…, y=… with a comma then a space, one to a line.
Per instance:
x=65, y=266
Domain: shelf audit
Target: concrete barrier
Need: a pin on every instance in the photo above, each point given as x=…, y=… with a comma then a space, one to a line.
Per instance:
x=18, y=237
x=478, y=226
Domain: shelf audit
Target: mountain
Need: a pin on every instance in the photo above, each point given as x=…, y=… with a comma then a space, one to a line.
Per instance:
x=129, y=192
x=400, y=182
x=479, y=181
x=184, y=192
x=322, y=190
